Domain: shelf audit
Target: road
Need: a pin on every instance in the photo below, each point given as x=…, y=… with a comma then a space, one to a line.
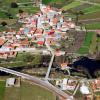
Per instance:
x=49, y=68
x=39, y=82
x=51, y=61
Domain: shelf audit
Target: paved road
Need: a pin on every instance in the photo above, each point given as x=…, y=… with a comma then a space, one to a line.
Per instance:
x=40, y=82
x=49, y=68
x=51, y=61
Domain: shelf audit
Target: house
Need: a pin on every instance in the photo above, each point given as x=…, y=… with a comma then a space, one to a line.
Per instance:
x=59, y=53
x=24, y=42
x=10, y=82
x=95, y=85
x=97, y=82
x=3, y=55
x=40, y=41
x=12, y=54
x=84, y=89
x=67, y=84
x=2, y=41
x=50, y=41
x=64, y=66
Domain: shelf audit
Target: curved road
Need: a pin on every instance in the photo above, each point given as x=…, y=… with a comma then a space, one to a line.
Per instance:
x=40, y=82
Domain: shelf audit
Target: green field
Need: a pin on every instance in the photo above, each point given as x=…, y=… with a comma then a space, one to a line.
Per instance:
x=91, y=9
x=86, y=45
x=46, y=1
x=93, y=44
x=30, y=9
x=96, y=1
x=71, y=5
x=5, y=8
x=28, y=92
x=52, y=1
x=22, y=60
x=93, y=26
x=90, y=16
x=98, y=39
x=2, y=89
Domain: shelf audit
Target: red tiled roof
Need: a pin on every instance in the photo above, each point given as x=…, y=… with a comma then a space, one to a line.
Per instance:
x=2, y=41
x=40, y=42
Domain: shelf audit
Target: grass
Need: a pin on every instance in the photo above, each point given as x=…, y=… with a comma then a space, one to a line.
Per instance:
x=5, y=7
x=91, y=9
x=86, y=45
x=28, y=92
x=93, y=44
x=2, y=15
x=92, y=26
x=78, y=95
x=2, y=28
x=22, y=60
x=30, y=9
x=46, y=1
x=88, y=39
x=72, y=5
x=12, y=93
x=98, y=39
x=90, y=16
x=2, y=89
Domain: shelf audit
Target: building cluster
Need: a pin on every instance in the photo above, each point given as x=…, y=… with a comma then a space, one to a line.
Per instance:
x=48, y=26
x=66, y=84
x=87, y=88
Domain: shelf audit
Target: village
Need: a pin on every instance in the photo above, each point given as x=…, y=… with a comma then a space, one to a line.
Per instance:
x=45, y=33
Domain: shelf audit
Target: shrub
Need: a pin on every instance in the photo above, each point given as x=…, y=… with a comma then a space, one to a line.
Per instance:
x=3, y=23
x=14, y=5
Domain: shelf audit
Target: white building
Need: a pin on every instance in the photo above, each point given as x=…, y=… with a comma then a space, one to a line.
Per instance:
x=10, y=82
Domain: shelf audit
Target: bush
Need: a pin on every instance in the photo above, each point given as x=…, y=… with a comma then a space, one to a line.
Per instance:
x=14, y=5
x=3, y=23
x=21, y=11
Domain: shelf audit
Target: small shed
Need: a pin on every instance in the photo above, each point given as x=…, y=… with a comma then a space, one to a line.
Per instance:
x=10, y=82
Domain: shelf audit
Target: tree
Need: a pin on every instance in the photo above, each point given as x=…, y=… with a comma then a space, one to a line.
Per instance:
x=36, y=60
x=97, y=73
x=27, y=57
x=77, y=14
x=9, y=15
x=3, y=23
x=14, y=5
x=21, y=11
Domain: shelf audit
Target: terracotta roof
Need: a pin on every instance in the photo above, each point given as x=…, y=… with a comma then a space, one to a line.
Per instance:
x=2, y=41
x=64, y=65
x=40, y=42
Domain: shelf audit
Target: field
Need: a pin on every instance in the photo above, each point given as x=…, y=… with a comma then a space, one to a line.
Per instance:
x=91, y=9
x=21, y=60
x=2, y=89
x=98, y=39
x=92, y=26
x=71, y=5
x=93, y=45
x=28, y=92
x=5, y=8
x=90, y=16
x=46, y=1
x=86, y=45
x=52, y=1
x=96, y=1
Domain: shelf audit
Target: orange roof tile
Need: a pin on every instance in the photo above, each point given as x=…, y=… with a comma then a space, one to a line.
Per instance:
x=2, y=41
